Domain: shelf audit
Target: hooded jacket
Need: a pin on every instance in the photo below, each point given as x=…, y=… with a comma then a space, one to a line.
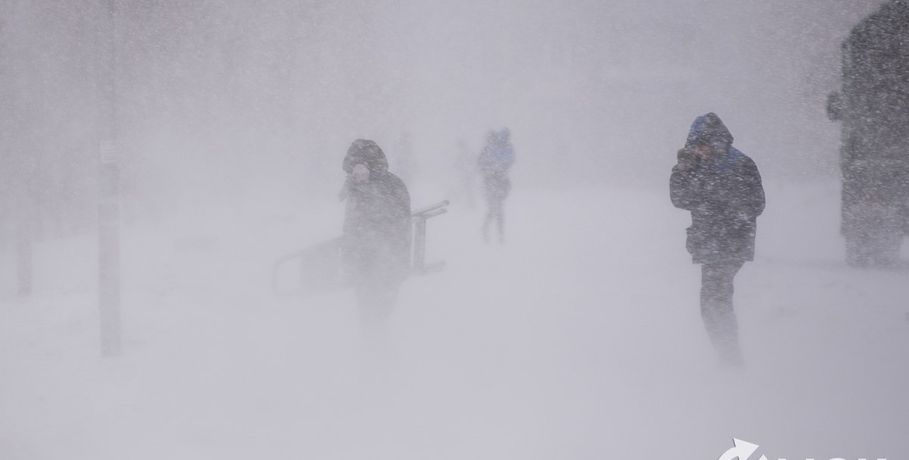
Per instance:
x=376, y=236
x=497, y=156
x=494, y=163
x=724, y=194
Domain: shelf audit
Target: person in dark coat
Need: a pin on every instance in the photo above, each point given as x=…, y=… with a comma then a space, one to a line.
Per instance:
x=375, y=244
x=722, y=188
x=494, y=163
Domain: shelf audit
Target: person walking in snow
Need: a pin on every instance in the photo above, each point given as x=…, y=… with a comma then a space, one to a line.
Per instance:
x=375, y=244
x=494, y=163
x=722, y=189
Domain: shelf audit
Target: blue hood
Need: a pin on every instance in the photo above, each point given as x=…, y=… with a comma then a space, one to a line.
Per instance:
x=708, y=128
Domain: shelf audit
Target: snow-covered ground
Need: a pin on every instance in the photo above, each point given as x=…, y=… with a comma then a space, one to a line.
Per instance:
x=579, y=339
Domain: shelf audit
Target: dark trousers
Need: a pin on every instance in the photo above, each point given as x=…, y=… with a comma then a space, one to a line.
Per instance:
x=717, y=311
x=376, y=301
x=496, y=187
x=495, y=213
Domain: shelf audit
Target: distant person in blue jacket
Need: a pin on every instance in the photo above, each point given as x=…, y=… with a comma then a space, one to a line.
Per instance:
x=494, y=163
x=722, y=189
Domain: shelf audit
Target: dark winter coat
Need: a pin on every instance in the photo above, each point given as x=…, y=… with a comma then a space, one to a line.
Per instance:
x=724, y=194
x=494, y=163
x=376, y=236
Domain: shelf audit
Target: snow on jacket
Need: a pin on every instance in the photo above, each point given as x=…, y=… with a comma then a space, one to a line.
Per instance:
x=376, y=234
x=724, y=194
x=497, y=156
x=494, y=162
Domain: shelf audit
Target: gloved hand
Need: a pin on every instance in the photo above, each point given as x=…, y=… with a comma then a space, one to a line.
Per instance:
x=688, y=160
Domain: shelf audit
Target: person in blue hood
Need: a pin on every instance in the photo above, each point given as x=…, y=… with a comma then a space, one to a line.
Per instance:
x=494, y=163
x=722, y=189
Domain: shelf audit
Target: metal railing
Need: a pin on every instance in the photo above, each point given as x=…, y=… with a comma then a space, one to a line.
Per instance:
x=320, y=265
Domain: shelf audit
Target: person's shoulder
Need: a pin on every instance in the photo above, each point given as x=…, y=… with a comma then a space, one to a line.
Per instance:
x=746, y=166
x=741, y=159
x=393, y=181
x=394, y=178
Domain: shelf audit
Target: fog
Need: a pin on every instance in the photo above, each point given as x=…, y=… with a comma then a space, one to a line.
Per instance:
x=581, y=337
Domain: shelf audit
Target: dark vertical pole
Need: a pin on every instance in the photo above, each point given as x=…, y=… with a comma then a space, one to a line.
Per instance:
x=15, y=140
x=290, y=77
x=24, y=265
x=108, y=200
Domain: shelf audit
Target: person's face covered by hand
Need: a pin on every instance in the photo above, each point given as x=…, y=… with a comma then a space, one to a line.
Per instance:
x=360, y=173
x=709, y=150
x=702, y=151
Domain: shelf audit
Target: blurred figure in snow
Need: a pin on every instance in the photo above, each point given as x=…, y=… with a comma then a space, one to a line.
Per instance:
x=495, y=160
x=376, y=239
x=722, y=189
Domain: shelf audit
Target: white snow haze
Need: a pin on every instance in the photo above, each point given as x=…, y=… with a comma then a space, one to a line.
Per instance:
x=580, y=337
